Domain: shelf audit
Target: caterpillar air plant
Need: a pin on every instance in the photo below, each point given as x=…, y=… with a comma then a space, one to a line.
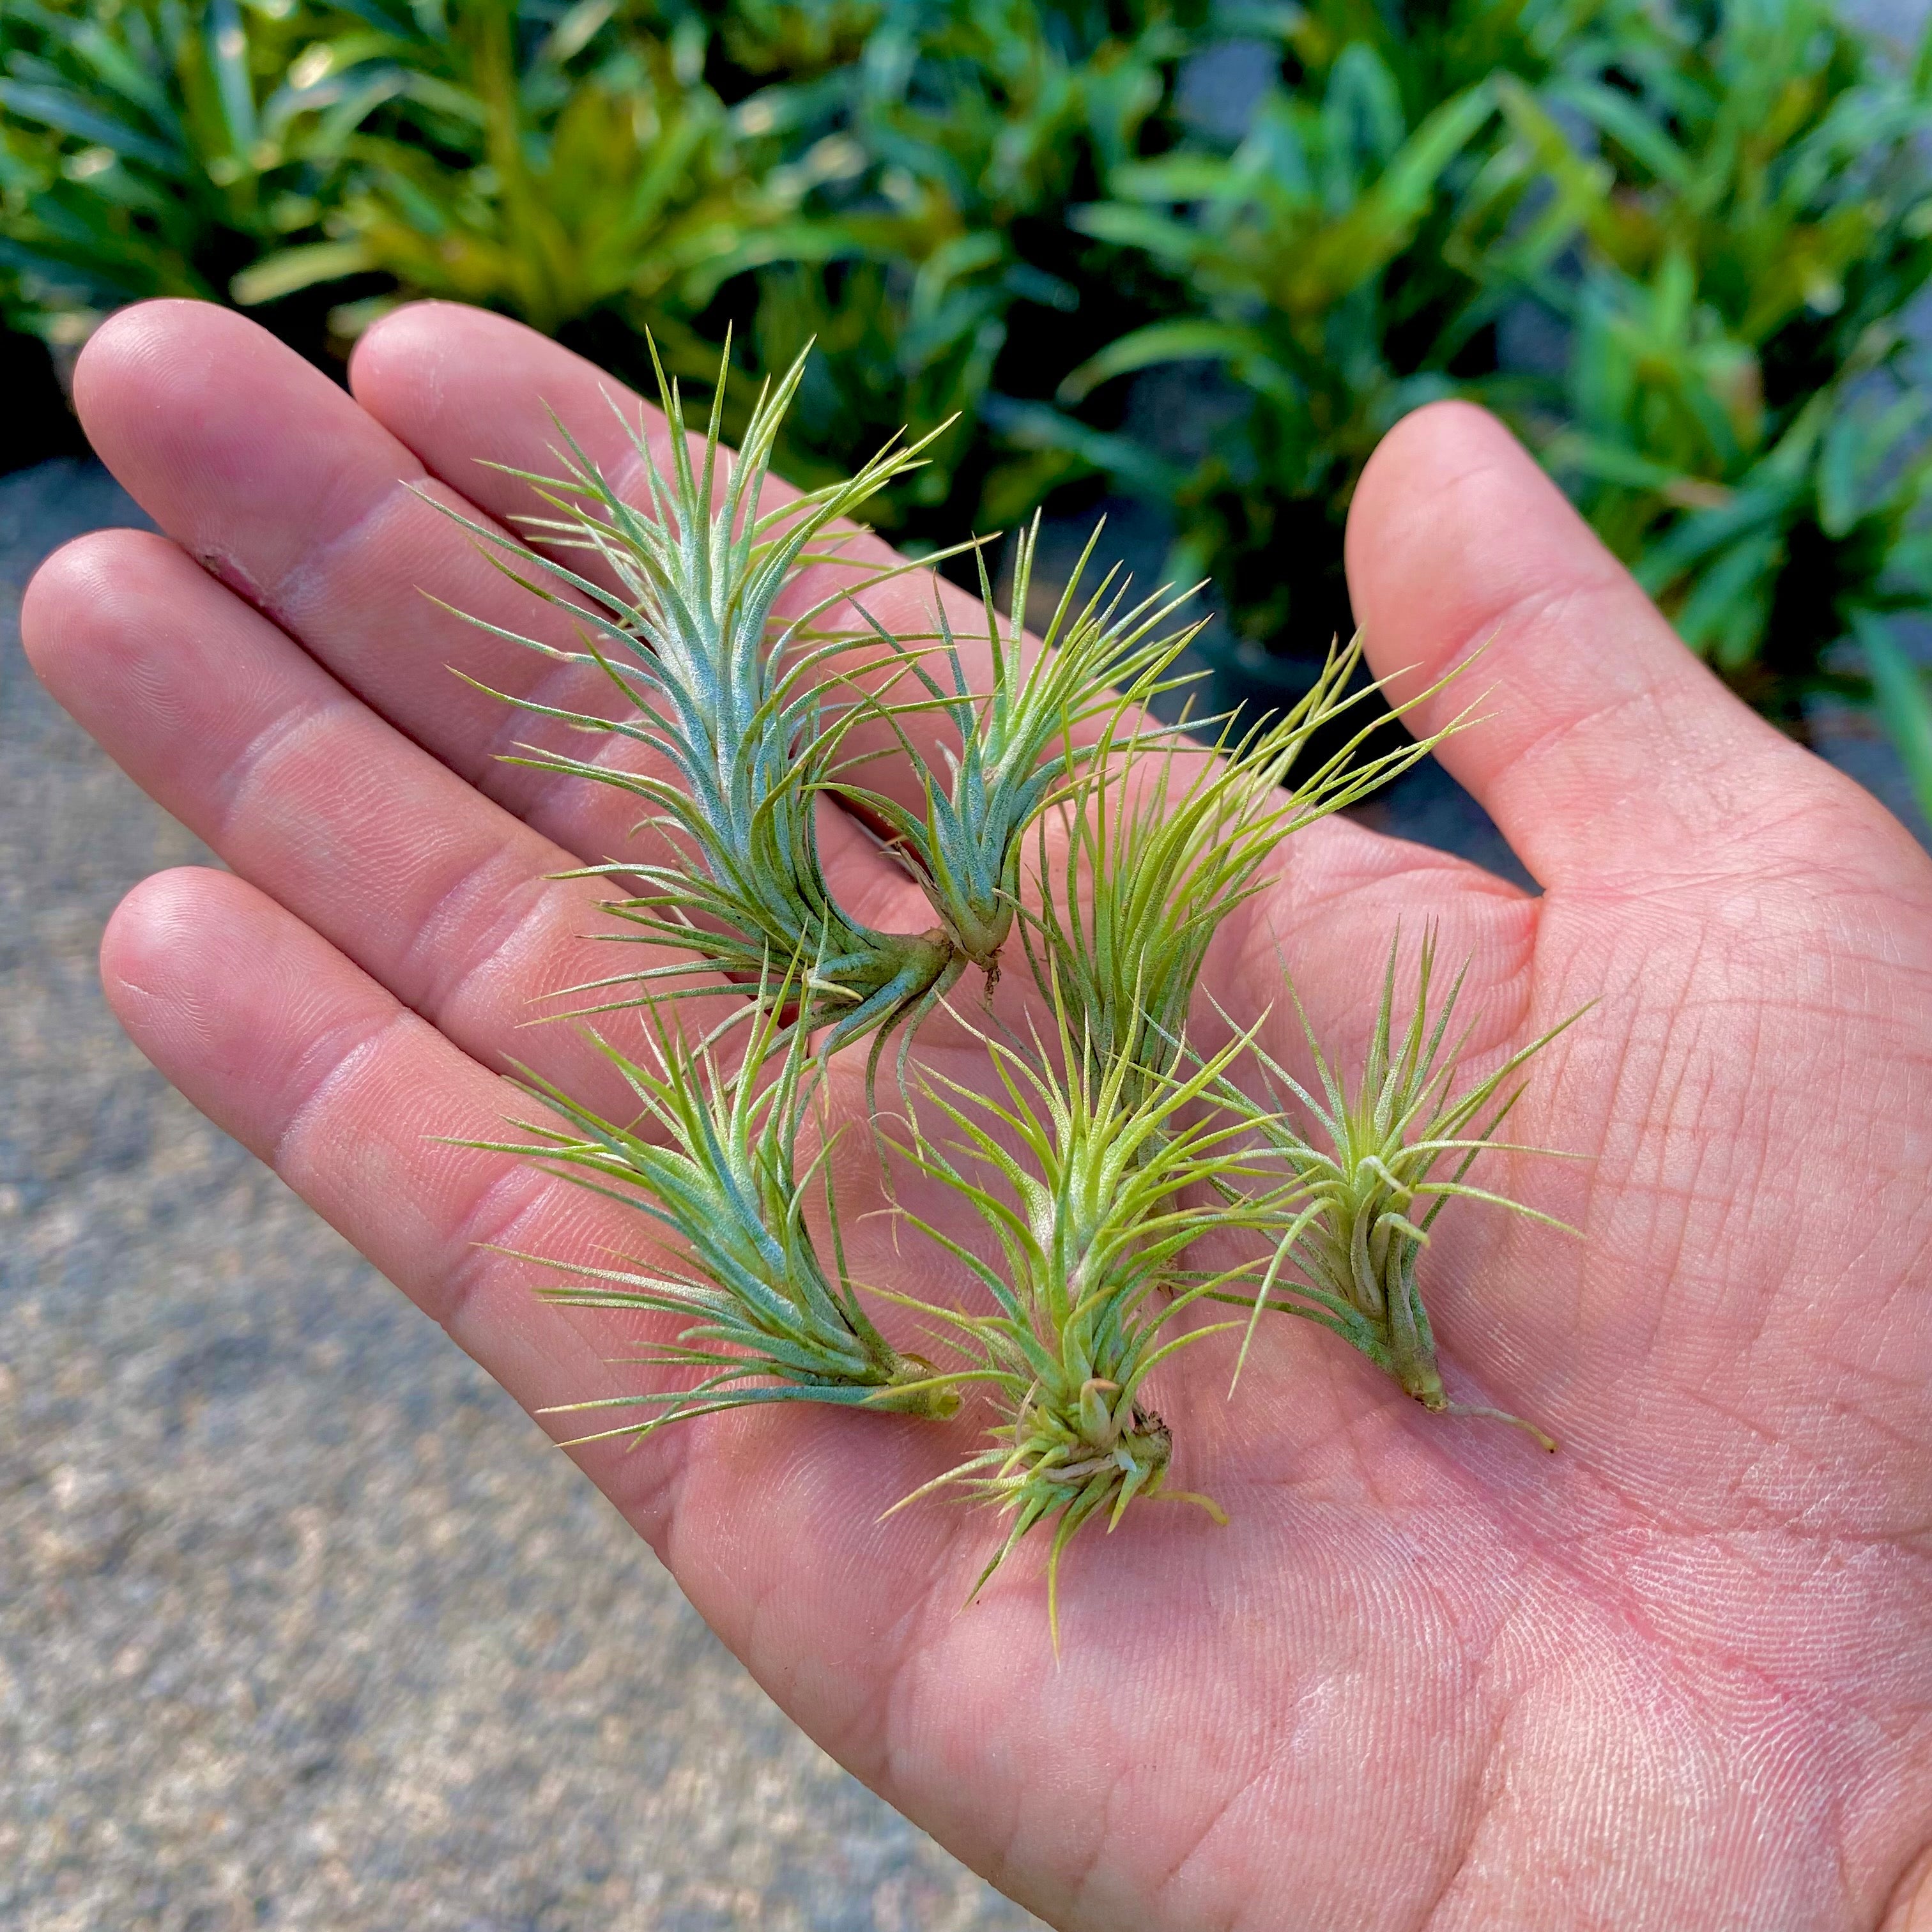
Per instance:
x=1051, y=817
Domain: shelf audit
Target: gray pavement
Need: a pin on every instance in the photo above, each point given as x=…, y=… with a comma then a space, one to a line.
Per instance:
x=302, y=1624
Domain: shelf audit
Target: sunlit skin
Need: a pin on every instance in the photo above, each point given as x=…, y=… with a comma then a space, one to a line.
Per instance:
x=1678, y=1676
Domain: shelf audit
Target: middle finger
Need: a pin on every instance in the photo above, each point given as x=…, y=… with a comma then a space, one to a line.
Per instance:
x=442, y=895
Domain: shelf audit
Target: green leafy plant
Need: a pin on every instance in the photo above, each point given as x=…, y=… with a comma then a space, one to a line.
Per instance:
x=156, y=150
x=1347, y=259
x=1290, y=242
x=1739, y=418
x=1675, y=244
x=1721, y=211
x=794, y=37
x=950, y=285
x=568, y=174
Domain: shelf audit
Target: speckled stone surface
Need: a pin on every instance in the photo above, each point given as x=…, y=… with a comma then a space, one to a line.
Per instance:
x=302, y=1624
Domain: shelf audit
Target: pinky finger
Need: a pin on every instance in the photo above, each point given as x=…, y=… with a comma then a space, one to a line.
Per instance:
x=352, y=1098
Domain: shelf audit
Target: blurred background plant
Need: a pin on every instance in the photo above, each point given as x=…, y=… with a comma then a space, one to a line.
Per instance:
x=1198, y=256
x=151, y=149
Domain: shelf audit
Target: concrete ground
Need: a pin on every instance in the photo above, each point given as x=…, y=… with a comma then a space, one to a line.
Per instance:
x=302, y=1624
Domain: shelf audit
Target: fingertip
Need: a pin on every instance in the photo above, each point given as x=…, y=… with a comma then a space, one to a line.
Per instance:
x=148, y=939
x=250, y=457
x=1599, y=738
x=1412, y=449
x=74, y=596
x=1453, y=518
x=475, y=397
x=403, y=367
x=417, y=327
x=152, y=345
x=233, y=998
x=395, y=344
x=1451, y=428
x=128, y=337
x=64, y=582
x=1441, y=441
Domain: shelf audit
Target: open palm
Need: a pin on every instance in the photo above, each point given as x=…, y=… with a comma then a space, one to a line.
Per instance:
x=1679, y=1676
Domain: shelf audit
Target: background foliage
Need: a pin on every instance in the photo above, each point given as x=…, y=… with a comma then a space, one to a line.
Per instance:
x=1200, y=253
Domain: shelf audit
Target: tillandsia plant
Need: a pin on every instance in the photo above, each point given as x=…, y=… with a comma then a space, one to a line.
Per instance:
x=1161, y=838
x=725, y=685
x=1350, y=1233
x=1082, y=1170
x=1094, y=655
x=714, y=1157
x=686, y=640
x=1101, y=1147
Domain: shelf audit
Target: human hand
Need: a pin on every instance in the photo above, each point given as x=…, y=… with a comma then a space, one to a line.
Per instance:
x=1679, y=1676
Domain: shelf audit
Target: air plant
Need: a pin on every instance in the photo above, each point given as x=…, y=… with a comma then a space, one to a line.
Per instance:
x=1096, y=662
x=714, y=1157
x=730, y=690
x=1161, y=838
x=1101, y=1147
x=1369, y=1187
x=1083, y=1171
x=708, y=679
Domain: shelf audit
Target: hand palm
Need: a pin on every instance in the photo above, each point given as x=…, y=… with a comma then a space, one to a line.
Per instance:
x=1679, y=1676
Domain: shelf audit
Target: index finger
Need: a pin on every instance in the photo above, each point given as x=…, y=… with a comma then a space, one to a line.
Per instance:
x=476, y=397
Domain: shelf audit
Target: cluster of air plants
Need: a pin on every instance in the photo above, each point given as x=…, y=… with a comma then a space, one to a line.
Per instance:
x=1098, y=1151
